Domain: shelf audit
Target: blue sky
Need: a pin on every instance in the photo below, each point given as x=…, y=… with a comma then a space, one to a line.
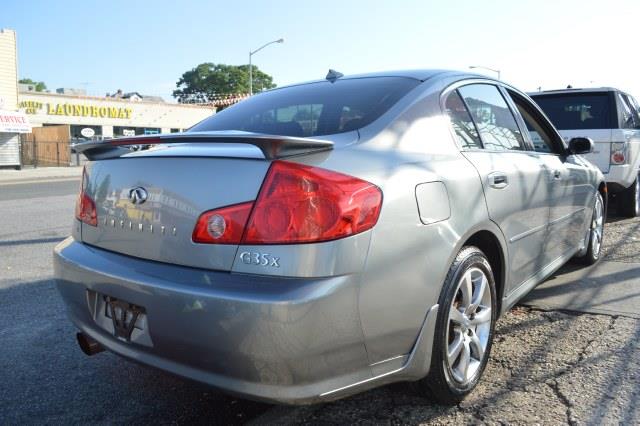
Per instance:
x=146, y=45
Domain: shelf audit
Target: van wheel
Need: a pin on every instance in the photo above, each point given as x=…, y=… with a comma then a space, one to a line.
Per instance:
x=629, y=200
x=464, y=328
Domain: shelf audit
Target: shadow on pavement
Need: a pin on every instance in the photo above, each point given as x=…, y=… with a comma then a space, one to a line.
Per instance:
x=44, y=377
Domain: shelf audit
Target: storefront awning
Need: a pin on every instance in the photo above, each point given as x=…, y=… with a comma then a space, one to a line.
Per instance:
x=14, y=122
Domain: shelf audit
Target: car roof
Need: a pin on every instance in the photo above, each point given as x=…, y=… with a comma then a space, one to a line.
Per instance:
x=417, y=74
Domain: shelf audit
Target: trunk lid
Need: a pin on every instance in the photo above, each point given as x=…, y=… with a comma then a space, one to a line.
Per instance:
x=181, y=176
x=178, y=190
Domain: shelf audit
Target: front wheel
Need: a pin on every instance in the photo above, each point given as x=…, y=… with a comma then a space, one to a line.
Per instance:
x=629, y=200
x=464, y=328
x=595, y=233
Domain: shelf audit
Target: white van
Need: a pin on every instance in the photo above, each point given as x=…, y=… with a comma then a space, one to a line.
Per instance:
x=611, y=118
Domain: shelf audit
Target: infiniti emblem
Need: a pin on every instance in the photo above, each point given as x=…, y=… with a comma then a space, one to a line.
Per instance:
x=138, y=195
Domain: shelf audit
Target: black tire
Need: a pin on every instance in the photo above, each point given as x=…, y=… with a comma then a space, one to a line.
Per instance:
x=441, y=383
x=594, y=248
x=629, y=200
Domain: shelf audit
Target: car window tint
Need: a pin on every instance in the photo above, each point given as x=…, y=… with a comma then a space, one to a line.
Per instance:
x=463, y=126
x=313, y=109
x=543, y=140
x=576, y=111
x=304, y=115
x=493, y=118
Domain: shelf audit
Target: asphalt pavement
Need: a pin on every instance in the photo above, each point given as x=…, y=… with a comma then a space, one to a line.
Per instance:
x=33, y=190
x=546, y=366
x=44, y=377
x=611, y=287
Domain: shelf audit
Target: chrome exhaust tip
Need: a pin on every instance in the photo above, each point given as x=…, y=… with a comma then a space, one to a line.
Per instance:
x=88, y=345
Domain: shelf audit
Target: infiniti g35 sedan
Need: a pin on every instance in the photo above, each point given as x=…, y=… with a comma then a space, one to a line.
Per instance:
x=320, y=239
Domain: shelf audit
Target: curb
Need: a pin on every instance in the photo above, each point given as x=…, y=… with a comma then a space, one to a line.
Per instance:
x=39, y=180
x=34, y=175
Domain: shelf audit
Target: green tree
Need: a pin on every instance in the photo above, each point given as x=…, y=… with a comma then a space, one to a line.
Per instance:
x=208, y=80
x=40, y=86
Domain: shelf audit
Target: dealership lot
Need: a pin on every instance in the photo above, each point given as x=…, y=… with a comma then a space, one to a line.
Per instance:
x=546, y=366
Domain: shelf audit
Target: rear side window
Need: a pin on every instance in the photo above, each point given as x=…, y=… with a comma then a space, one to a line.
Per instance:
x=577, y=111
x=493, y=118
x=634, y=104
x=463, y=126
x=313, y=109
x=628, y=113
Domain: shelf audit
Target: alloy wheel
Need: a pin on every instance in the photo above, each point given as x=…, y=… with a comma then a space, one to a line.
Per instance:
x=597, y=226
x=637, y=211
x=469, y=326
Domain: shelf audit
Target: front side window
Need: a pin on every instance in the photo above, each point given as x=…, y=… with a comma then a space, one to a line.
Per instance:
x=313, y=109
x=493, y=118
x=543, y=138
x=463, y=126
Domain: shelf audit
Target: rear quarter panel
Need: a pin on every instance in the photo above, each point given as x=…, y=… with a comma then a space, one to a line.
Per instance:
x=407, y=259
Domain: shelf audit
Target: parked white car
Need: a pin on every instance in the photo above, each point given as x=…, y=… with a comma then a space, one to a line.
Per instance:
x=611, y=119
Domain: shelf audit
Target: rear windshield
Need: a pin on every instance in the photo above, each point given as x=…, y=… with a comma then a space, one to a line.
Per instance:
x=577, y=111
x=313, y=109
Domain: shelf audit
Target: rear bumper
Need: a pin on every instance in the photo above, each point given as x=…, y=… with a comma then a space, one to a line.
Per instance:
x=279, y=340
x=621, y=176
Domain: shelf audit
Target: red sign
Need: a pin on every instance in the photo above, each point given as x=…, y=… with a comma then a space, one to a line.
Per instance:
x=14, y=122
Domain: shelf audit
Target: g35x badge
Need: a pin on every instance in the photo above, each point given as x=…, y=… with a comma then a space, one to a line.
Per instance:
x=259, y=259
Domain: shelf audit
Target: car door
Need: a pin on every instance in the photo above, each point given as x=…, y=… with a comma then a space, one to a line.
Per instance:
x=567, y=176
x=514, y=182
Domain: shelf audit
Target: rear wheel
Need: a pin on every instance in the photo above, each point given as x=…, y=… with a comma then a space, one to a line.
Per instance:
x=629, y=200
x=464, y=328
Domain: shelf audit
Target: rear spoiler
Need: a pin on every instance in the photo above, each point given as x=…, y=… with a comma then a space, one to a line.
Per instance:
x=272, y=146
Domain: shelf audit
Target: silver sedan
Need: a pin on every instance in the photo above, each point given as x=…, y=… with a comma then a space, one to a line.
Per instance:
x=324, y=238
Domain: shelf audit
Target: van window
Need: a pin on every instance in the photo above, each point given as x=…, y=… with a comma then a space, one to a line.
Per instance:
x=628, y=113
x=577, y=110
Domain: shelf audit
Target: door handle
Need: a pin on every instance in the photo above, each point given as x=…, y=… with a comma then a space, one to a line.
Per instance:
x=498, y=180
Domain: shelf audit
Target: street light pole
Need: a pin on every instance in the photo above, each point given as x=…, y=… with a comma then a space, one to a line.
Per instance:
x=280, y=40
x=486, y=68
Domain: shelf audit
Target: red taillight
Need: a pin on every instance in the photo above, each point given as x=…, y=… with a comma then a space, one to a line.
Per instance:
x=85, y=206
x=618, y=151
x=222, y=226
x=297, y=204
x=301, y=204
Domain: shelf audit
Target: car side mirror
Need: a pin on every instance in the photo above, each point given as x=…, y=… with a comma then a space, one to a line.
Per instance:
x=580, y=146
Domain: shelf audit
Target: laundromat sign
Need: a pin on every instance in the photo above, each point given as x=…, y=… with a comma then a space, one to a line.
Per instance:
x=76, y=110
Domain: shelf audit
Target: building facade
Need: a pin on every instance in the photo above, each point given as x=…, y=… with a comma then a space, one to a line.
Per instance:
x=21, y=108
x=109, y=117
x=12, y=122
